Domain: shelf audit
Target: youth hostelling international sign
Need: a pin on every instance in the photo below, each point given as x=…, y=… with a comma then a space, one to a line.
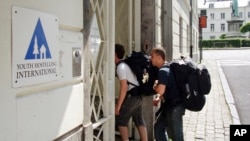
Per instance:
x=34, y=47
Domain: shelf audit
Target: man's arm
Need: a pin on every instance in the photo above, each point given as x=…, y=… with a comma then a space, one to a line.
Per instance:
x=122, y=95
x=160, y=90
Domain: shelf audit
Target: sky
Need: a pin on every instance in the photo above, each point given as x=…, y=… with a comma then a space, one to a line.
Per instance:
x=222, y=3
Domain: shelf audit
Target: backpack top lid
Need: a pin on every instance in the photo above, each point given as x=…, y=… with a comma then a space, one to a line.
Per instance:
x=186, y=65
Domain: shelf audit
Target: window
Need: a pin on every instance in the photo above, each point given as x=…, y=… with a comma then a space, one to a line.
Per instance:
x=211, y=5
x=212, y=37
x=222, y=15
x=181, y=35
x=222, y=27
x=211, y=15
x=240, y=14
x=248, y=15
x=212, y=27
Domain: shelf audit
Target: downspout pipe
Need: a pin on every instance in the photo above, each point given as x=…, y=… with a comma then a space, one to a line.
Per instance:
x=191, y=29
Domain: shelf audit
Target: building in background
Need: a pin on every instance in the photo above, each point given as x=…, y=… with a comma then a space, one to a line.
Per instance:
x=219, y=12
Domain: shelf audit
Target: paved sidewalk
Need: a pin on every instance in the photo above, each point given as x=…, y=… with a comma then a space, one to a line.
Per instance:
x=213, y=122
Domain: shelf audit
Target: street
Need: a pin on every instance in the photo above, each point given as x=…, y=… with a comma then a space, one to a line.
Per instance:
x=236, y=66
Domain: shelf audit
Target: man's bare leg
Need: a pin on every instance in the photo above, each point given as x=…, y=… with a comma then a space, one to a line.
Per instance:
x=124, y=132
x=143, y=133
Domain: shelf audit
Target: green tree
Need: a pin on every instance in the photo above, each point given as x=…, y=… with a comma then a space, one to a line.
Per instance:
x=222, y=36
x=245, y=28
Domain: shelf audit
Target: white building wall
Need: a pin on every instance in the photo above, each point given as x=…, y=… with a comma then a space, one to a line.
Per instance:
x=48, y=110
x=221, y=7
x=158, y=29
x=195, y=31
x=180, y=27
x=7, y=97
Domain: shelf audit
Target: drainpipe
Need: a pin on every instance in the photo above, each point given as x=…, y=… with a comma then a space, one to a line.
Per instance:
x=191, y=29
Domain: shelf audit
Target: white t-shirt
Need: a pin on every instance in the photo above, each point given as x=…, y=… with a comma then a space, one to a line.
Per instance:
x=124, y=72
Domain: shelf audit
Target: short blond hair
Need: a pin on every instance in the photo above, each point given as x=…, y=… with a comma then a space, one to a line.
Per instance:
x=159, y=51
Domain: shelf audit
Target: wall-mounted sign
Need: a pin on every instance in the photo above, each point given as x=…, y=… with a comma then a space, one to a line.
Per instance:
x=34, y=47
x=203, y=21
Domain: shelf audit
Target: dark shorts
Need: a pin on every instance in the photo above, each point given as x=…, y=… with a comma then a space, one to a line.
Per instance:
x=131, y=107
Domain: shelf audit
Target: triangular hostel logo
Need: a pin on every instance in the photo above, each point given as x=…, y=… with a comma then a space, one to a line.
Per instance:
x=38, y=48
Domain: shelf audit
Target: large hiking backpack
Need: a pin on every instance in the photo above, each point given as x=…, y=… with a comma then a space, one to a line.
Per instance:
x=193, y=82
x=146, y=74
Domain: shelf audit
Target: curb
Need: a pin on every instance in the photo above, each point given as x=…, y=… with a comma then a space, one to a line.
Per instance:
x=227, y=48
x=228, y=95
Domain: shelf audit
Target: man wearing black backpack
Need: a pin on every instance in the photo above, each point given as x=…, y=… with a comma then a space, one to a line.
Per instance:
x=128, y=105
x=169, y=116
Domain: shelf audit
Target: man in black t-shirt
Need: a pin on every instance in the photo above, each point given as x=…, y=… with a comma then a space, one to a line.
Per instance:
x=170, y=114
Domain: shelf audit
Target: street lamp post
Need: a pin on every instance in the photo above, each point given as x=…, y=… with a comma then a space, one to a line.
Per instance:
x=202, y=24
x=200, y=42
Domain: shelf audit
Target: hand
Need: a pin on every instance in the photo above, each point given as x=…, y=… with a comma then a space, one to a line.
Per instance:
x=157, y=99
x=117, y=110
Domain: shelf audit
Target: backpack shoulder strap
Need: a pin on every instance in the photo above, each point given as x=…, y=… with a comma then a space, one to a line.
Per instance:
x=116, y=72
x=131, y=83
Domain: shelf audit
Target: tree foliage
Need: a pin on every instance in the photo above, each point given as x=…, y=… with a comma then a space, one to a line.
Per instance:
x=245, y=28
x=222, y=36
